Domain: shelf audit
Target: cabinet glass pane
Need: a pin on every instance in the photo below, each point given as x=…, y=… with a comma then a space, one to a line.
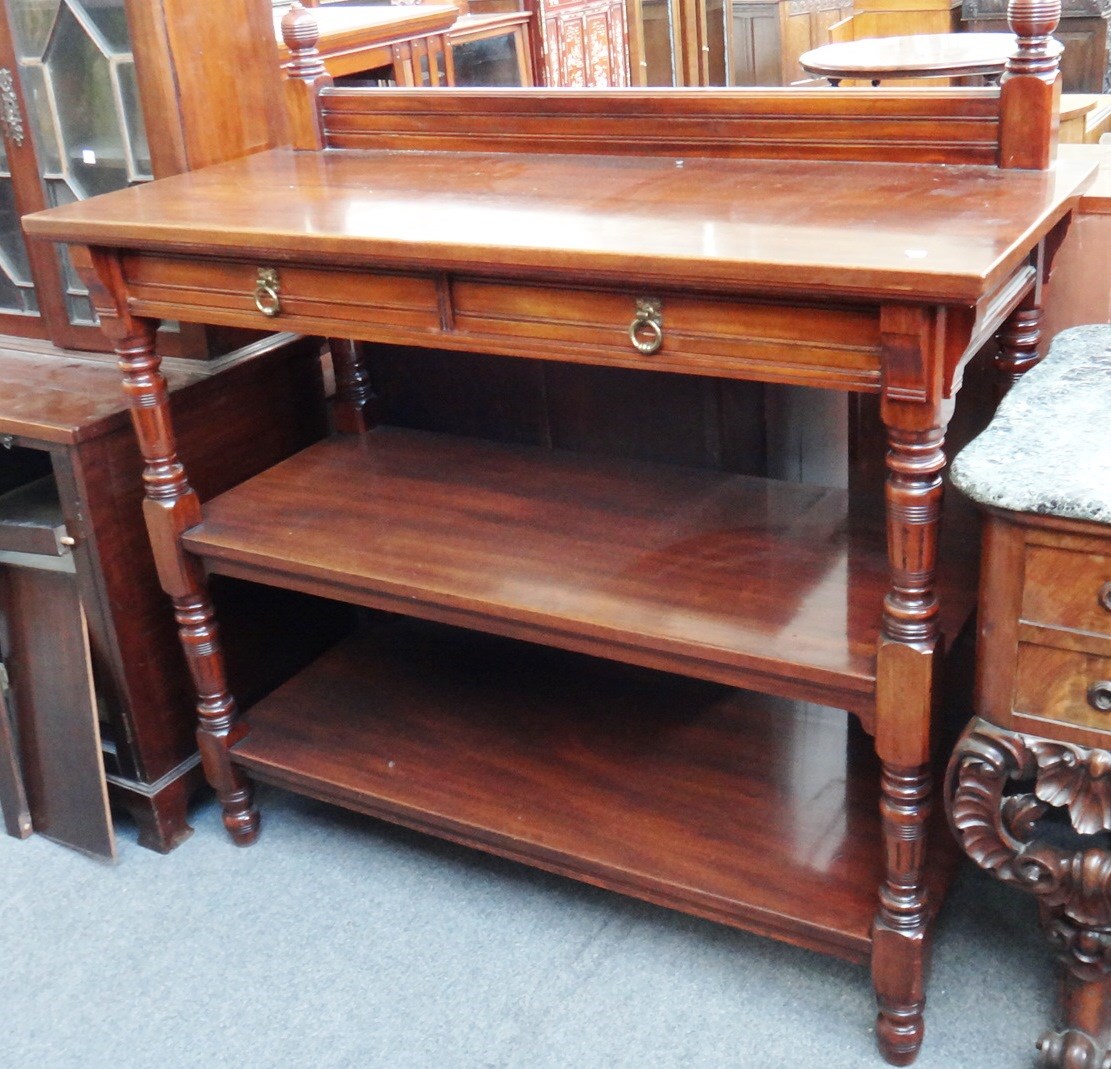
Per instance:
x=78, y=78
x=17, y=293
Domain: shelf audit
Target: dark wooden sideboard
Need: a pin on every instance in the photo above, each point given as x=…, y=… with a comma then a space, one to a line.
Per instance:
x=63, y=415
x=515, y=712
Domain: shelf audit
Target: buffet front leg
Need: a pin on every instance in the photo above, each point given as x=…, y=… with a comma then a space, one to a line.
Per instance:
x=908, y=655
x=170, y=507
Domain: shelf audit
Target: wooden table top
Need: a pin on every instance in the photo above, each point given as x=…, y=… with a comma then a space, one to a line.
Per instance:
x=926, y=232
x=914, y=56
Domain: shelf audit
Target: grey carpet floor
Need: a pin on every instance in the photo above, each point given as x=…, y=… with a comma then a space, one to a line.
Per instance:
x=338, y=941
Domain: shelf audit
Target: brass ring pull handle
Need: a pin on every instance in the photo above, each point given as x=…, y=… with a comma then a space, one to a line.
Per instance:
x=1105, y=596
x=647, y=321
x=1099, y=696
x=267, y=300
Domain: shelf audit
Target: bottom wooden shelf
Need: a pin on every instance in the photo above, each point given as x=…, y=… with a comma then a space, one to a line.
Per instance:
x=751, y=810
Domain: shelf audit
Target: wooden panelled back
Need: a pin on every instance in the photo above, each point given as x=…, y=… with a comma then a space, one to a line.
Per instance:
x=1013, y=126
x=934, y=126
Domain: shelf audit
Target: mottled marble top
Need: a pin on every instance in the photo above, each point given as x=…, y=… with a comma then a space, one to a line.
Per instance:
x=1048, y=449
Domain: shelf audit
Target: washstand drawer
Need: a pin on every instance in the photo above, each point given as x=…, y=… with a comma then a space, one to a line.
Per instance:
x=270, y=293
x=1064, y=685
x=703, y=333
x=1067, y=589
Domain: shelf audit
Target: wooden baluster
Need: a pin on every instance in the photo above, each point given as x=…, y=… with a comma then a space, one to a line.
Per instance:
x=305, y=77
x=1030, y=93
x=907, y=658
x=1018, y=341
x=356, y=403
x=170, y=507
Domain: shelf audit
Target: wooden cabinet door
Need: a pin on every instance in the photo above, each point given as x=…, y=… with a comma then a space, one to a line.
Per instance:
x=584, y=43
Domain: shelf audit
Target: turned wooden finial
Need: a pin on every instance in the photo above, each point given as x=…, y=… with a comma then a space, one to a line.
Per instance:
x=305, y=75
x=301, y=34
x=1033, y=21
x=1030, y=96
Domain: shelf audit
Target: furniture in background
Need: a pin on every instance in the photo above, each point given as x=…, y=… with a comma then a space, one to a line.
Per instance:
x=1085, y=118
x=898, y=18
x=1085, y=31
x=570, y=237
x=981, y=56
x=495, y=48
x=403, y=44
x=770, y=35
x=50, y=744
x=1082, y=266
x=63, y=416
x=1037, y=748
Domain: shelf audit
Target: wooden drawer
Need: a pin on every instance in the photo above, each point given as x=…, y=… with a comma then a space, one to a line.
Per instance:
x=1056, y=684
x=222, y=289
x=779, y=342
x=1067, y=589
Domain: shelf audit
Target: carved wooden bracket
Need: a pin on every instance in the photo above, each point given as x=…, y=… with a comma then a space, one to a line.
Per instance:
x=998, y=830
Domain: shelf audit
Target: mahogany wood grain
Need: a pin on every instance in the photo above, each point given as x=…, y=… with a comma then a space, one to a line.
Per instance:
x=677, y=791
x=666, y=566
x=578, y=218
x=200, y=104
x=55, y=707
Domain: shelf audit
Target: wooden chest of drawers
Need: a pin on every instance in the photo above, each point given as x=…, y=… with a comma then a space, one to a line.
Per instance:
x=1041, y=739
x=1045, y=653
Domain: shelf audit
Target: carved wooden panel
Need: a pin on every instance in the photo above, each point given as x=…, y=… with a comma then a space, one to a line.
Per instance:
x=584, y=43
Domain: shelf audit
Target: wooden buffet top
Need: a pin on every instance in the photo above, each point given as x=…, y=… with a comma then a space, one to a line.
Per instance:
x=929, y=232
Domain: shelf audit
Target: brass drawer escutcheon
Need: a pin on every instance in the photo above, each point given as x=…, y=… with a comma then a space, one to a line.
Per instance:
x=1099, y=696
x=646, y=331
x=1105, y=596
x=267, y=289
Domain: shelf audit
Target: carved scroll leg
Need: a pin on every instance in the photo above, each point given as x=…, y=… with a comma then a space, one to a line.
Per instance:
x=907, y=658
x=171, y=506
x=1083, y=1040
x=998, y=827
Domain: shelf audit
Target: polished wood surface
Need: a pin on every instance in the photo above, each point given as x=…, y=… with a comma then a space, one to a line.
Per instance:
x=660, y=565
x=579, y=217
x=923, y=55
x=506, y=223
x=668, y=788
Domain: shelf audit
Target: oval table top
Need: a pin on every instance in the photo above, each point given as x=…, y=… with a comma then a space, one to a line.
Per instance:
x=926, y=55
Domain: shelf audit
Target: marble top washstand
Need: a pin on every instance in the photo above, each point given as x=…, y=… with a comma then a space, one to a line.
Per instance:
x=1048, y=449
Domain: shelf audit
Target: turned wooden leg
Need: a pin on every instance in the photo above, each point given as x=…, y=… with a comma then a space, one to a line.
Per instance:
x=170, y=507
x=1018, y=341
x=999, y=786
x=356, y=408
x=907, y=658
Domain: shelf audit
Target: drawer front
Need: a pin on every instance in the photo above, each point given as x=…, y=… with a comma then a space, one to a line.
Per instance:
x=1067, y=589
x=1064, y=685
x=221, y=289
x=779, y=342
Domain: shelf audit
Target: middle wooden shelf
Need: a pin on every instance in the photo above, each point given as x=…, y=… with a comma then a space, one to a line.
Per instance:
x=773, y=586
